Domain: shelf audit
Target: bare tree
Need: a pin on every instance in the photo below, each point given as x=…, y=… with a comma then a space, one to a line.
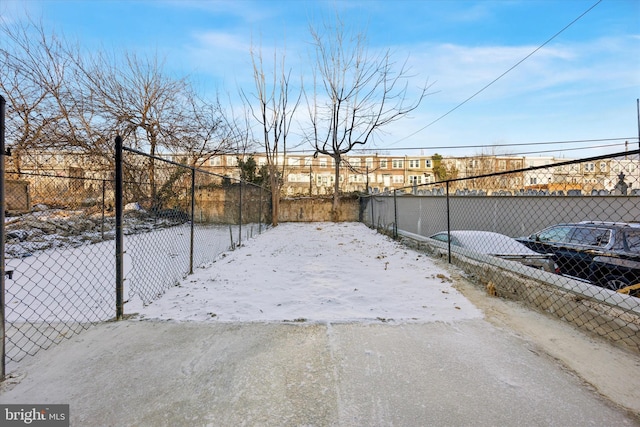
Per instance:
x=137, y=98
x=274, y=114
x=355, y=95
x=47, y=108
x=203, y=130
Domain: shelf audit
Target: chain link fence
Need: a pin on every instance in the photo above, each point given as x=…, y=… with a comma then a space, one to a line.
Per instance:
x=59, y=258
x=60, y=235
x=164, y=244
x=563, y=237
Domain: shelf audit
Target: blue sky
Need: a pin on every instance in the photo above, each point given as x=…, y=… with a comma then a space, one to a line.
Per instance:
x=582, y=85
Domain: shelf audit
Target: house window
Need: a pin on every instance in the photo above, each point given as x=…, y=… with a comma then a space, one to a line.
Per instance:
x=383, y=163
x=215, y=161
x=415, y=179
x=589, y=167
x=414, y=164
x=369, y=163
x=397, y=164
x=308, y=161
x=323, y=162
x=294, y=161
x=428, y=164
x=533, y=181
x=232, y=161
x=355, y=163
x=398, y=179
x=502, y=165
x=603, y=166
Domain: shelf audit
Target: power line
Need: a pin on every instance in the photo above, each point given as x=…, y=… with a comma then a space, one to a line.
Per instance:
x=501, y=75
x=519, y=144
x=551, y=151
x=456, y=147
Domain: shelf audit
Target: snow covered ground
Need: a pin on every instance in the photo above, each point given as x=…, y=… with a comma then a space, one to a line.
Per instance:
x=336, y=272
x=330, y=324
x=77, y=284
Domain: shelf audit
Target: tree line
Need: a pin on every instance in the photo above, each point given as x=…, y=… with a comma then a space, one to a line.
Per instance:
x=61, y=97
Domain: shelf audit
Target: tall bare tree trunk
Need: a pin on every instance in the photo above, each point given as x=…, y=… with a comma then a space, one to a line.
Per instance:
x=275, y=197
x=336, y=191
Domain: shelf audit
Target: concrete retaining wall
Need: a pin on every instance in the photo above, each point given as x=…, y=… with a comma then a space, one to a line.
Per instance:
x=318, y=209
x=575, y=302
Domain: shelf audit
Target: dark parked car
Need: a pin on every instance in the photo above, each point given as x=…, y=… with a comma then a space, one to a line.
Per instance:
x=498, y=245
x=604, y=253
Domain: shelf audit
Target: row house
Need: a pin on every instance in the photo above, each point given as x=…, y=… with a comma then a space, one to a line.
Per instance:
x=308, y=175
x=588, y=177
x=305, y=174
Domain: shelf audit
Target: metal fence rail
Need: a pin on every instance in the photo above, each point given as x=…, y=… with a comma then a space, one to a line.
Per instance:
x=61, y=233
x=569, y=246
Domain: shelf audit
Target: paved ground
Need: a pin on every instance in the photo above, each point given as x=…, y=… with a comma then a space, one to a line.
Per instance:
x=184, y=374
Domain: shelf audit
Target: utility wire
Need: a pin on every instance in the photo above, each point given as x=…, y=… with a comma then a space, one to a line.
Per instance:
x=456, y=147
x=519, y=144
x=501, y=75
x=545, y=151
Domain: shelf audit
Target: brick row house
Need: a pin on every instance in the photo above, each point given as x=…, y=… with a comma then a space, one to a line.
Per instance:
x=308, y=175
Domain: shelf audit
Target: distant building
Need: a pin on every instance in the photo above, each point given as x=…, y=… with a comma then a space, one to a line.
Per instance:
x=306, y=175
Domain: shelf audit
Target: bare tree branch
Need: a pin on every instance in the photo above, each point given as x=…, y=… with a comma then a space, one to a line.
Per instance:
x=274, y=114
x=355, y=94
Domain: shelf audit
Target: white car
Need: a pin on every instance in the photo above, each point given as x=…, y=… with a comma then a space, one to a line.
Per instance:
x=498, y=245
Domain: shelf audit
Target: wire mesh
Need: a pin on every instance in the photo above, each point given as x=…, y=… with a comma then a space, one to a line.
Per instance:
x=562, y=237
x=58, y=257
x=60, y=240
x=187, y=218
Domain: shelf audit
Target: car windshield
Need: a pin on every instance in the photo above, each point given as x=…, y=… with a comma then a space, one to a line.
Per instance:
x=590, y=236
x=633, y=240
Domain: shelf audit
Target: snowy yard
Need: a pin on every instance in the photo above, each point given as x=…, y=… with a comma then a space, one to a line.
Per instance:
x=336, y=272
x=78, y=283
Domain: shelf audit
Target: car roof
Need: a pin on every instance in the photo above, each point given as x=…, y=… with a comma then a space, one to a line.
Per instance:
x=611, y=224
x=490, y=243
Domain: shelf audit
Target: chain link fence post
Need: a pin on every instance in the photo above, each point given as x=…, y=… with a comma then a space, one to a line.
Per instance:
x=104, y=191
x=395, y=214
x=240, y=215
x=2, y=267
x=448, y=226
x=260, y=213
x=373, y=222
x=193, y=217
x=119, y=232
